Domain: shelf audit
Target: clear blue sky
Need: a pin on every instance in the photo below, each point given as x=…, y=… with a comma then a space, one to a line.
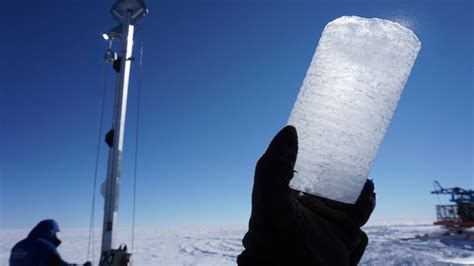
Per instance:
x=219, y=80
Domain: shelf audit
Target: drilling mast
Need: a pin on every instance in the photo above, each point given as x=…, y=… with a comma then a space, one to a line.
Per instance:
x=458, y=215
x=127, y=13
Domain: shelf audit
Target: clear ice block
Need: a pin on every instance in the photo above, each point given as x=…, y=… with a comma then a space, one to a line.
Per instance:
x=346, y=102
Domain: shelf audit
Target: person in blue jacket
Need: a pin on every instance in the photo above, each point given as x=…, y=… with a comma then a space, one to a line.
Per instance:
x=39, y=248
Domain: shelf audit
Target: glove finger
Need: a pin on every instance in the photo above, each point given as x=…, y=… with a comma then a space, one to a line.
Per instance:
x=343, y=214
x=365, y=204
x=275, y=169
x=284, y=146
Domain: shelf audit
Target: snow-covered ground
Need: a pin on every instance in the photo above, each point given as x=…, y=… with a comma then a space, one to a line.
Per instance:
x=220, y=245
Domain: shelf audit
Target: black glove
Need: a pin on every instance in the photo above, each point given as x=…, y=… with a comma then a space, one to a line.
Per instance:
x=88, y=263
x=288, y=227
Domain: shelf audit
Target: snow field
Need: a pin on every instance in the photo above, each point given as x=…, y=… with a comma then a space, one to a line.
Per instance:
x=220, y=245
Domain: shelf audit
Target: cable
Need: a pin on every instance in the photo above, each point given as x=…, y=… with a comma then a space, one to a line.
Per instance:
x=136, y=145
x=99, y=137
x=437, y=195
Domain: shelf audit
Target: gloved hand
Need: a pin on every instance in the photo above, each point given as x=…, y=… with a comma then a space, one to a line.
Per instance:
x=288, y=227
x=88, y=263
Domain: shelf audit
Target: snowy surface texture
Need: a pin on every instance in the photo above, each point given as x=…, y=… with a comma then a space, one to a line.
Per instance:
x=346, y=102
x=220, y=245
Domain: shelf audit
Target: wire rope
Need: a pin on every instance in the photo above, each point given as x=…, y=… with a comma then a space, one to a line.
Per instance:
x=136, y=145
x=90, y=244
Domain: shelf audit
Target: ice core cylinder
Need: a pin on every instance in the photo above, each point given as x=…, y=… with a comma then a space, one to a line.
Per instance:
x=346, y=102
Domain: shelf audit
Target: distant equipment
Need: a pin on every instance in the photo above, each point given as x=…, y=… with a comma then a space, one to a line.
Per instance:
x=458, y=215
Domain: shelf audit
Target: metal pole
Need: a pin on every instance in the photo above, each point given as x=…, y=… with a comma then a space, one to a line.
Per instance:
x=118, y=125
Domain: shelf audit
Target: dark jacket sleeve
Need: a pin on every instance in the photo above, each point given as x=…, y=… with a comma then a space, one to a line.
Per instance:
x=51, y=255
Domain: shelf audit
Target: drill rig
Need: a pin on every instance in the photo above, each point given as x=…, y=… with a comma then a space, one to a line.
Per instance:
x=459, y=215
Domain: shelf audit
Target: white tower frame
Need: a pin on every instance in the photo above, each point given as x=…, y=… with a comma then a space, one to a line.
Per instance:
x=128, y=13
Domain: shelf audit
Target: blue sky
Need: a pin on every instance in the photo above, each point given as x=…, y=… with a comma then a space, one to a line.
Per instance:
x=219, y=79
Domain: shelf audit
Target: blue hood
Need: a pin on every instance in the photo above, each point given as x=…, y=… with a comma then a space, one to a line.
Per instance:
x=47, y=230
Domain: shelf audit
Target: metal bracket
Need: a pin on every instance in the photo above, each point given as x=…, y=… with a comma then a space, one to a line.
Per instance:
x=115, y=257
